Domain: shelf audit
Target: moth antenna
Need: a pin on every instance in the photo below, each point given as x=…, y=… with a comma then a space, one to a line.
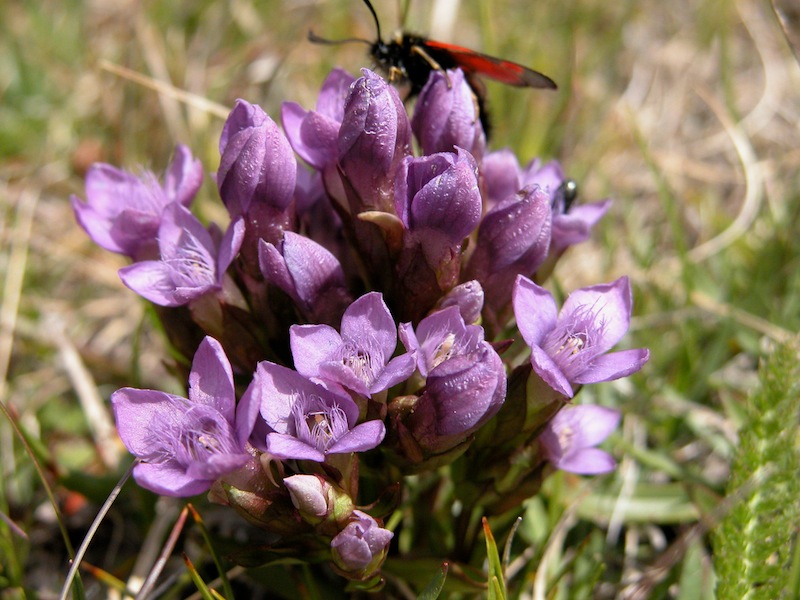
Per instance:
x=314, y=38
x=375, y=17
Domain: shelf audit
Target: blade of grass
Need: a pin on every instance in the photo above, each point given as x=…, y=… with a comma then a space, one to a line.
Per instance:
x=226, y=585
x=496, y=582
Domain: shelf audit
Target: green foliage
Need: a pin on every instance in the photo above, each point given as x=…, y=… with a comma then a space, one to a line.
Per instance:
x=753, y=543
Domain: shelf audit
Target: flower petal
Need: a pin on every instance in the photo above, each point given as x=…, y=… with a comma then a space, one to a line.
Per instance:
x=535, y=310
x=287, y=447
x=546, y=368
x=362, y=437
x=589, y=461
x=611, y=302
x=608, y=367
x=211, y=378
x=312, y=345
x=369, y=317
x=169, y=479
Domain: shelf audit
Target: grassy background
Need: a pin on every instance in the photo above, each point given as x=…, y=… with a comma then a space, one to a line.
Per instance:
x=685, y=112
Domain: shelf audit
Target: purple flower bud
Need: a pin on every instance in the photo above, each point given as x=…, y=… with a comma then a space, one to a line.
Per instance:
x=310, y=494
x=359, y=357
x=122, y=212
x=361, y=547
x=513, y=239
x=439, y=192
x=319, y=500
x=256, y=164
x=568, y=440
x=501, y=175
x=468, y=297
x=309, y=274
x=374, y=138
x=570, y=347
x=306, y=420
x=314, y=133
x=192, y=263
x=446, y=115
x=185, y=444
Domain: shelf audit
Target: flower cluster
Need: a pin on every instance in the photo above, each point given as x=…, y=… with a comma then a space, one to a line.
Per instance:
x=296, y=310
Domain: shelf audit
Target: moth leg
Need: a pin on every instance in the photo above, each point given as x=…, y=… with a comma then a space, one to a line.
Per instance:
x=432, y=62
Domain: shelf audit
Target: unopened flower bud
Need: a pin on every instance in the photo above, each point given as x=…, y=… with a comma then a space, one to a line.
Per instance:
x=361, y=547
x=374, y=138
x=256, y=164
x=513, y=238
x=446, y=115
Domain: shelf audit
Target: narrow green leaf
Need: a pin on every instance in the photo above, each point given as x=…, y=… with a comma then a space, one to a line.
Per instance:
x=434, y=587
x=496, y=582
x=204, y=590
x=226, y=585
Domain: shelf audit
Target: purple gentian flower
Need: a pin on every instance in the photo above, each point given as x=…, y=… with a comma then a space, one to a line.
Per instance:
x=308, y=274
x=306, y=420
x=185, y=444
x=256, y=163
x=359, y=357
x=461, y=394
x=446, y=115
x=192, y=263
x=571, y=226
x=568, y=440
x=513, y=239
x=361, y=546
x=440, y=337
x=314, y=133
x=571, y=346
x=122, y=212
x=374, y=138
x=439, y=193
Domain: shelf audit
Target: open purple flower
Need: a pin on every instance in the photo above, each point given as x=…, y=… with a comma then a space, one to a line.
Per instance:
x=361, y=546
x=571, y=346
x=570, y=438
x=359, y=357
x=185, y=444
x=461, y=394
x=122, y=212
x=192, y=263
x=440, y=337
x=306, y=420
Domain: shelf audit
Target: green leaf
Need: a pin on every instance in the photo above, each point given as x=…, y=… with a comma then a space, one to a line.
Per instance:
x=434, y=587
x=753, y=542
x=496, y=582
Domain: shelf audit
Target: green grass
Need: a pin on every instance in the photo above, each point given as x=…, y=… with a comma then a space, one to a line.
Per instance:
x=684, y=112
